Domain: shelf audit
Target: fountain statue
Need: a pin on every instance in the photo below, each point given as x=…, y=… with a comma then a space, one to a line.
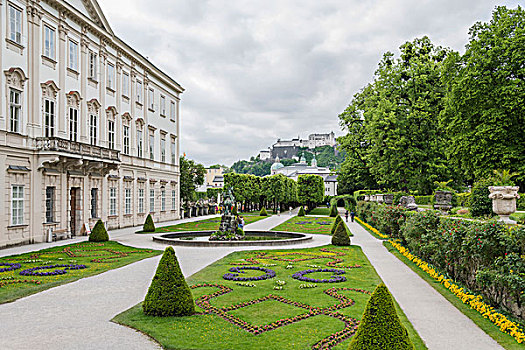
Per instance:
x=229, y=226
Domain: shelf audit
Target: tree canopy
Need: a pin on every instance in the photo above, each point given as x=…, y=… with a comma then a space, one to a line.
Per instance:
x=191, y=176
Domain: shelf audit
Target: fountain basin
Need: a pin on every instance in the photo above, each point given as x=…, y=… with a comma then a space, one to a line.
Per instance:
x=266, y=238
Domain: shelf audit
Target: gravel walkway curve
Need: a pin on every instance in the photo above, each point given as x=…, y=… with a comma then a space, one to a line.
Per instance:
x=439, y=323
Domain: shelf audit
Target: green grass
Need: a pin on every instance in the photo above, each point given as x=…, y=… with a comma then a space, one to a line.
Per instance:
x=307, y=224
x=319, y=211
x=203, y=225
x=110, y=255
x=210, y=331
x=486, y=325
x=254, y=213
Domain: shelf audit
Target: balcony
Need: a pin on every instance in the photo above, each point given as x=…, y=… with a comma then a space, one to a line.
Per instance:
x=83, y=150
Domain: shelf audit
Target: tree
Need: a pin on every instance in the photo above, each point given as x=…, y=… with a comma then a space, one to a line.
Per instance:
x=380, y=327
x=310, y=190
x=191, y=176
x=393, y=138
x=485, y=98
x=168, y=294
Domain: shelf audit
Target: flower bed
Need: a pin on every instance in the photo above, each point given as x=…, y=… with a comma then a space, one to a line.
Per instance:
x=33, y=271
x=238, y=269
x=376, y=232
x=10, y=267
x=335, y=278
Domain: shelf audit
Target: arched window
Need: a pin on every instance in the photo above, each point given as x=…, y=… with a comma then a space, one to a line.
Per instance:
x=73, y=106
x=49, y=96
x=93, y=122
x=15, y=80
x=111, y=114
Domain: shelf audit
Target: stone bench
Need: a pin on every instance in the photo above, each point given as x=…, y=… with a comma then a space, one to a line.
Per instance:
x=64, y=233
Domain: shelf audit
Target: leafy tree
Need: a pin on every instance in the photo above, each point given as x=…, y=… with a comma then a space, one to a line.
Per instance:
x=485, y=98
x=310, y=190
x=168, y=294
x=480, y=203
x=191, y=176
x=380, y=326
x=393, y=137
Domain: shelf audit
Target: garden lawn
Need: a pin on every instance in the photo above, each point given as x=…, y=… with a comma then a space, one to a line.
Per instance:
x=203, y=225
x=308, y=224
x=320, y=211
x=287, y=318
x=97, y=257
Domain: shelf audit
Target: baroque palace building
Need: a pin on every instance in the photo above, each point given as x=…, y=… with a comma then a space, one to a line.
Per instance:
x=89, y=128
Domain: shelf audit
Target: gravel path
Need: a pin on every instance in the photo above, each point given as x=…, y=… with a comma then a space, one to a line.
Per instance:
x=439, y=323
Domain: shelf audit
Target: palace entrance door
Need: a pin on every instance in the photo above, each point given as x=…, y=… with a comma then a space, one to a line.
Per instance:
x=74, y=210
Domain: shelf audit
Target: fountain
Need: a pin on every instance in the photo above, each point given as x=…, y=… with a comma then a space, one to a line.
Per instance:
x=229, y=233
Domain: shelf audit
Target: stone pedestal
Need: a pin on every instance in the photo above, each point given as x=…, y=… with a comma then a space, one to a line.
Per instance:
x=409, y=202
x=389, y=199
x=504, y=201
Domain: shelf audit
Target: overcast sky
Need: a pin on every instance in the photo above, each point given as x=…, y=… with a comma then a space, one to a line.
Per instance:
x=255, y=71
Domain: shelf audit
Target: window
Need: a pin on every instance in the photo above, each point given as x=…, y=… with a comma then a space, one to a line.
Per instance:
x=73, y=55
x=49, y=118
x=126, y=139
x=50, y=204
x=172, y=111
x=93, y=65
x=125, y=84
x=139, y=91
x=15, y=24
x=151, y=200
x=113, y=201
x=139, y=143
x=111, y=77
x=163, y=105
x=163, y=150
x=162, y=199
x=127, y=201
x=111, y=134
x=17, y=205
x=15, y=106
x=173, y=151
x=73, y=124
x=173, y=200
x=141, y=200
x=94, y=202
x=151, y=99
x=151, y=146
x=49, y=42
x=93, y=129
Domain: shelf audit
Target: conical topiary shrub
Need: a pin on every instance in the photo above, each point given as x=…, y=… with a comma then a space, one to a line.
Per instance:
x=380, y=327
x=168, y=294
x=99, y=233
x=333, y=210
x=149, y=226
x=337, y=220
x=263, y=212
x=301, y=211
x=340, y=236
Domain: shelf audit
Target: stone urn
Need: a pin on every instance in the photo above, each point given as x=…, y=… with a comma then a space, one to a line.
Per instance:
x=380, y=198
x=504, y=201
x=443, y=200
x=389, y=199
x=408, y=202
x=373, y=198
x=367, y=198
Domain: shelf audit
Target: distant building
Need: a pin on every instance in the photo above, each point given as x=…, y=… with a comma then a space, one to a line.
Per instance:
x=302, y=168
x=212, y=179
x=288, y=149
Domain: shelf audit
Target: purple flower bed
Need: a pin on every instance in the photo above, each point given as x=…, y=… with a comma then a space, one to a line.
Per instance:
x=238, y=269
x=32, y=271
x=324, y=223
x=335, y=278
x=10, y=267
x=303, y=222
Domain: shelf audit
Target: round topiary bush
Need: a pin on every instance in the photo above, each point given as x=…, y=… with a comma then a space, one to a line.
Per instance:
x=480, y=203
x=168, y=294
x=333, y=210
x=263, y=212
x=380, y=327
x=301, y=211
x=99, y=233
x=340, y=237
x=337, y=220
x=149, y=226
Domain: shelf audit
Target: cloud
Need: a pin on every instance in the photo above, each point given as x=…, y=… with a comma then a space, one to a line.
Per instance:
x=256, y=71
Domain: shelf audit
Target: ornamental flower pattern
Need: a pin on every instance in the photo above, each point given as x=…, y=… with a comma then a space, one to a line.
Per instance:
x=10, y=266
x=34, y=271
x=335, y=278
x=238, y=269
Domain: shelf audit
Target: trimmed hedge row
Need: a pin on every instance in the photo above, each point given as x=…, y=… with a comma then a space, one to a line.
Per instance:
x=486, y=257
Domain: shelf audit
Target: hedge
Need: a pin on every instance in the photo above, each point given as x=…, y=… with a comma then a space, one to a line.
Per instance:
x=424, y=200
x=380, y=327
x=168, y=294
x=337, y=221
x=99, y=233
x=480, y=203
